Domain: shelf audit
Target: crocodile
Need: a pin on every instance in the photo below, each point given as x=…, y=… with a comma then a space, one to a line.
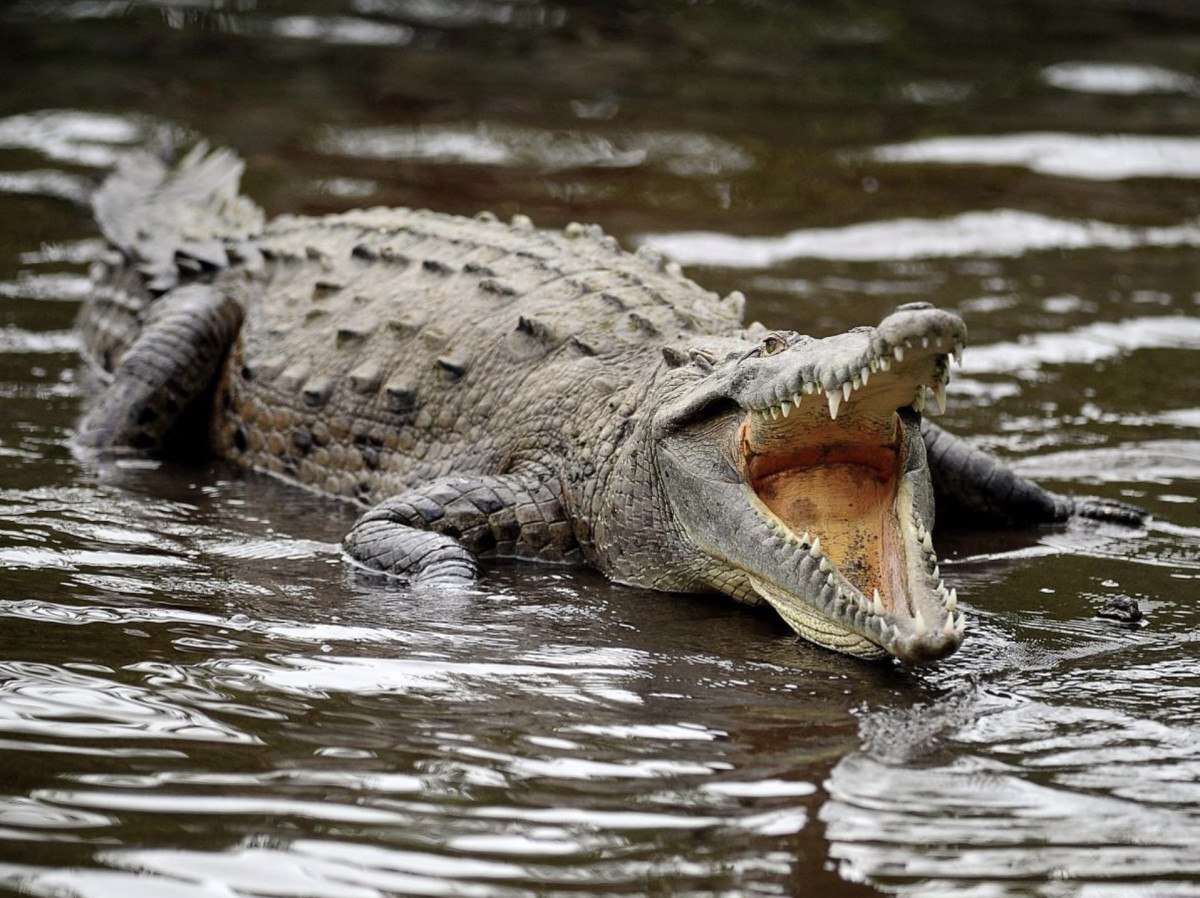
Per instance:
x=490, y=389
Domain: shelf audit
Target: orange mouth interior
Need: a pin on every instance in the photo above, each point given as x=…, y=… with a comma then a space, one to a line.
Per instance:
x=845, y=494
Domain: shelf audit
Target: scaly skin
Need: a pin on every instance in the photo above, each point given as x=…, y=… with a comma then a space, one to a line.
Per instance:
x=492, y=389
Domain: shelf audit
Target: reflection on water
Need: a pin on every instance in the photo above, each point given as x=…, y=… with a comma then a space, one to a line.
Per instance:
x=198, y=699
x=44, y=701
x=1014, y=792
x=1000, y=232
x=687, y=155
x=1118, y=78
x=1085, y=345
x=71, y=136
x=1104, y=158
x=341, y=30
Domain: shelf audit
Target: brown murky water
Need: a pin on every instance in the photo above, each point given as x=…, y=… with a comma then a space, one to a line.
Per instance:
x=197, y=699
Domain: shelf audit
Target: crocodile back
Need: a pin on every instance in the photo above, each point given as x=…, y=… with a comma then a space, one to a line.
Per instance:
x=387, y=347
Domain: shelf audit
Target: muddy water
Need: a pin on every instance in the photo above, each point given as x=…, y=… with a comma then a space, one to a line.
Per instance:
x=197, y=699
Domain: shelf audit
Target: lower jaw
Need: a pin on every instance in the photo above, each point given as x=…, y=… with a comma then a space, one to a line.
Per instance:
x=816, y=626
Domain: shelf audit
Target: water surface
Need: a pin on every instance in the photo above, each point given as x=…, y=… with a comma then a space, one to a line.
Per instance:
x=198, y=699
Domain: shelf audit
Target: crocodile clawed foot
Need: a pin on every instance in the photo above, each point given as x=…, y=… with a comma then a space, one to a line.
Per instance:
x=1109, y=511
x=421, y=557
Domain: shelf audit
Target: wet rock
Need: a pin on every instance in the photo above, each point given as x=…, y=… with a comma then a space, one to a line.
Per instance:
x=1121, y=609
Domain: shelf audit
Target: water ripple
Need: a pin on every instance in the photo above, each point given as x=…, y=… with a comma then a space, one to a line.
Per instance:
x=452, y=681
x=50, y=883
x=993, y=234
x=466, y=13
x=75, y=559
x=36, y=815
x=341, y=30
x=1108, y=157
x=324, y=870
x=52, y=702
x=1118, y=78
x=1085, y=344
x=1154, y=461
x=1010, y=790
x=14, y=340
x=158, y=802
x=680, y=153
x=54, y=184
x=90, y=139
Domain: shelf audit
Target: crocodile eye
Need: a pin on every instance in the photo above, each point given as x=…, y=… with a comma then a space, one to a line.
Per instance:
x=773, y=343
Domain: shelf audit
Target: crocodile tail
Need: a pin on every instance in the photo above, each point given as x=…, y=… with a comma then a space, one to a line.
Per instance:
x=173, y=222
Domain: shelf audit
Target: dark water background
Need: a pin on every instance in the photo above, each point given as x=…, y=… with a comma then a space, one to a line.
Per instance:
x=197, y=699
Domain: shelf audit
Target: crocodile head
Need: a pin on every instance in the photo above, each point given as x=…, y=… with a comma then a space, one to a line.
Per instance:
x=795, y=474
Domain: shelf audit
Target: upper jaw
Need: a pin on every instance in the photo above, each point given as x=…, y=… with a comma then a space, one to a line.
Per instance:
x=836, y=368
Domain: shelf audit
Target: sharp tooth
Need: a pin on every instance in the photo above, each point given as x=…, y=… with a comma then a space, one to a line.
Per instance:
x=873, y=365
x=776, y=414
x=847, y=387
x=919, y=625
x=825, y=566
x=927, y=543
x=920, y=530
x=948, y=627
x=937, y=342
x=937, y=575
x=885, y=364
x=829, y=581
x=952, y=602
x=815, y=551
x=796, y=400
x=804, y=539
x=855, y=382
x=958, y=351
x=939, y=396
x=785, y=407
x=960, y=626
x=864, y=375
x=809, y=388
x=918, y=401
x=835, y=400
x=924, y=342
x=898, y=352
x=908, y=344
x=876, y=604
x=931, y=410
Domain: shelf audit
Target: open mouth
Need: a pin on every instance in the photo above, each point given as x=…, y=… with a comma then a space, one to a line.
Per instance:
x=836, y=468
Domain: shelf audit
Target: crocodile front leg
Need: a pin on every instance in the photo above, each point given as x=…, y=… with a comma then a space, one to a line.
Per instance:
x=173, y=361
x=436, y=533
x=976, y=488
